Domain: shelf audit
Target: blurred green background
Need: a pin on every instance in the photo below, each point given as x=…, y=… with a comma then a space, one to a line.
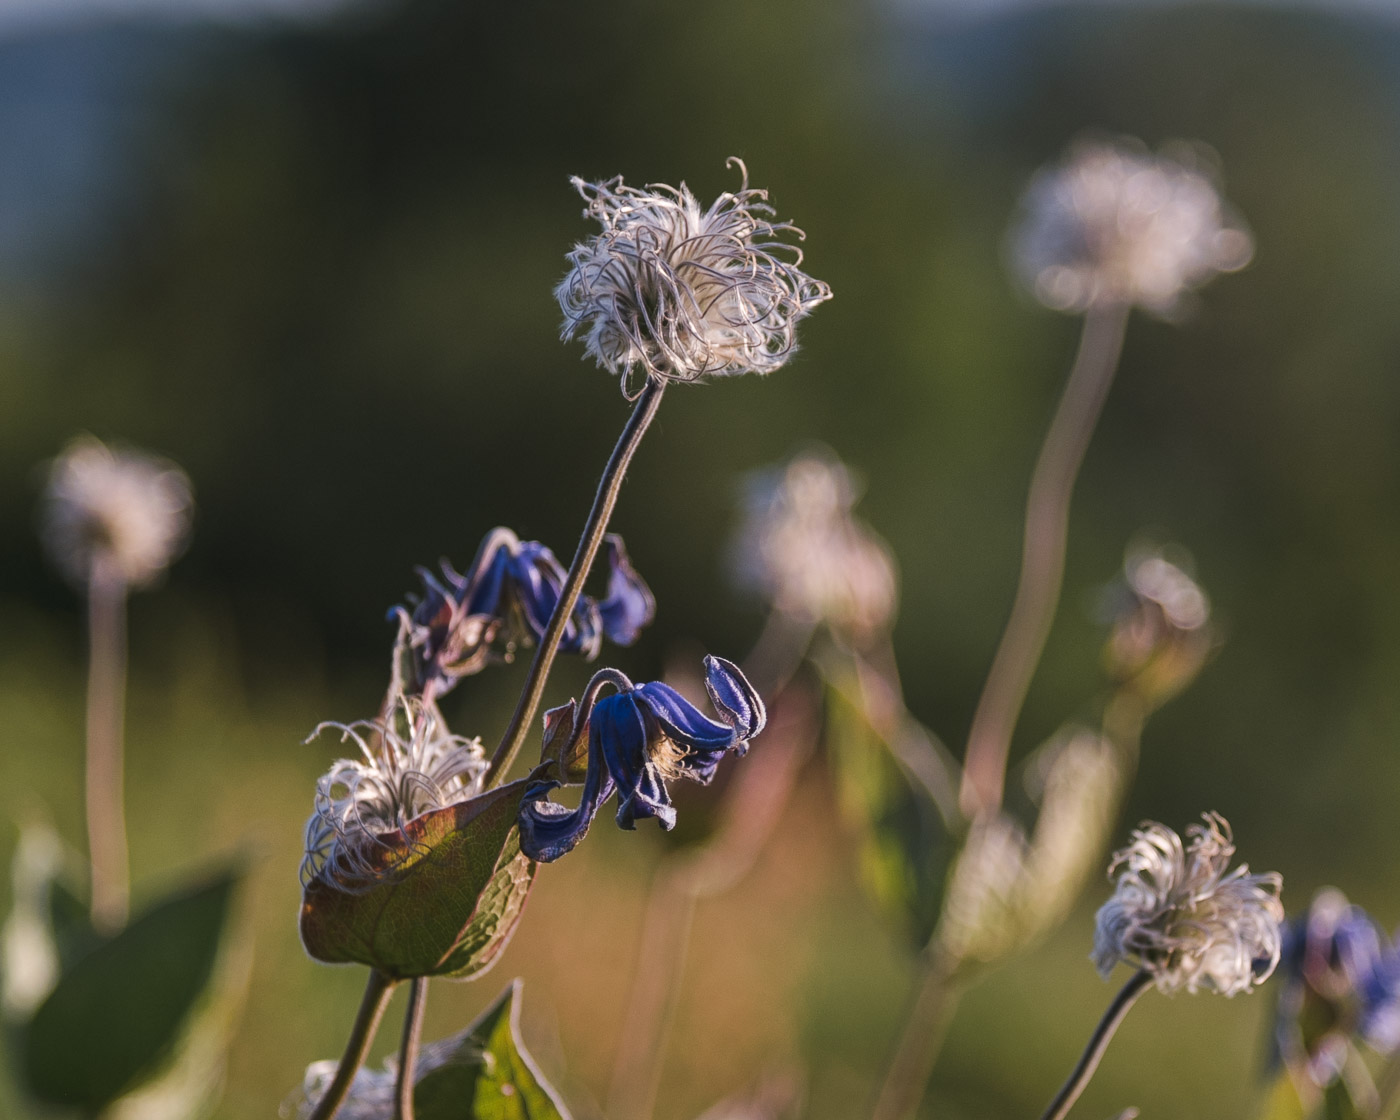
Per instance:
x=312, y=262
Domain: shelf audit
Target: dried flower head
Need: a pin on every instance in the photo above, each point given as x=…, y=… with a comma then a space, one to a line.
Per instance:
x=409, y=765
x=1115, y=224
x=683, y=292
x=801, y=548
x=1160, y=632
x=1180, y=913
x=115, y=513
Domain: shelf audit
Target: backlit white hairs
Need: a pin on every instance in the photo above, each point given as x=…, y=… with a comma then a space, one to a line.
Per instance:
x=119, y=513
x=684, y=293
x=410, y=766
x=1114, y=223
x=1178, y=912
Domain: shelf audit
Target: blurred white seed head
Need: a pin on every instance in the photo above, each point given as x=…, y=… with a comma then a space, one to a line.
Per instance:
x=409, y=765
x=801, y=549
x=682, y=292
x=1115, y=224
x=1160, y=619
x=119, y=511
x=1007, y=889
x=1180, y=913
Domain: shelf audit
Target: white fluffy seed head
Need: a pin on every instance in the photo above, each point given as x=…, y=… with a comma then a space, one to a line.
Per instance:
x=1180, y=913
x=117, y=512
x=683, y=293
x=409, y=765
x=801, y=548
x=1115, y=224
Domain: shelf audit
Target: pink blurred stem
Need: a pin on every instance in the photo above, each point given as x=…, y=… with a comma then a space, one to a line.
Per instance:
x=924, y=1028
x=643, y=412
x=106, y=706
x=1042, y=558
x=752, y=808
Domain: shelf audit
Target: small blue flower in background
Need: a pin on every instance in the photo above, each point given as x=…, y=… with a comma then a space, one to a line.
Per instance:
x=640, y=738
x=505, y=600
x=1341, y=985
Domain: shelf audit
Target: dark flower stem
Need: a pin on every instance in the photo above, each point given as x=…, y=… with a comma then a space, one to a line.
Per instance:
x=642, y=414
x=378, y=989
x=106, y=703
x=1042, y=558
x=408, y=1048
x=927, y=1022
x=1098, y=1043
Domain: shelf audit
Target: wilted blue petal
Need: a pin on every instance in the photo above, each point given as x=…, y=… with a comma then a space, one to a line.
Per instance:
x=682, y=721
x=549, y=831
x=736, y=700
x=538, y=580
x=629, y=605
x=486, y=589
x=618, y=730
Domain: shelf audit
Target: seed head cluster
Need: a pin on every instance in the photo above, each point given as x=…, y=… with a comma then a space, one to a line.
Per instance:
x=1180, y=913
x=409, y=765
x=683, y=293
x=1115, y=224
x=118, y=513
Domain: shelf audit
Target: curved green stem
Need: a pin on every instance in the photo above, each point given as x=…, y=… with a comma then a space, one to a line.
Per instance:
x=1042, y=558
x=1098, y=1043
x=408, y=1048
x=642, y=414
x=378, y=989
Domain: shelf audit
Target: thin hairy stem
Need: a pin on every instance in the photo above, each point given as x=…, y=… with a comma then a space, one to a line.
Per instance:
x=597, y=525
x=408, y=1048
x=1042, y=558
x=1098, y=1043
x=753, y=805
x=378, y=989
x=924, y=1028
x=106, y=705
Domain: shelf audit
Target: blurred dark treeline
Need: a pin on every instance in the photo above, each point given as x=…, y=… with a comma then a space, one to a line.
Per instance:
x=314, y=265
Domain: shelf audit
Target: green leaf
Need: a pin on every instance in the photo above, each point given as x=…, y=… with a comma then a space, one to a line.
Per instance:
x=905, y=845
x=484, y=1073
x=115, y=1016
x=455, y=884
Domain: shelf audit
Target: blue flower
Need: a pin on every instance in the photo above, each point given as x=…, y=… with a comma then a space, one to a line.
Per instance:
x=505, y=600
x=640, y=738
x=1342, y=985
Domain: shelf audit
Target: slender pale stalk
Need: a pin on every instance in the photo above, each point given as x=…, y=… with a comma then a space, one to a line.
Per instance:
x=106, y=705
x=1098, y=1043
x=408, y=1048
x=378, y=989
x=1042, y=558
x=593, y=531
x=753, y=805
x=927, y=1022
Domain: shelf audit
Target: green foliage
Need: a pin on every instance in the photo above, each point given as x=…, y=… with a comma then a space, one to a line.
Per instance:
x=117, y=1011
x=454, y=886
x=905, y=845
x=485, y=1073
